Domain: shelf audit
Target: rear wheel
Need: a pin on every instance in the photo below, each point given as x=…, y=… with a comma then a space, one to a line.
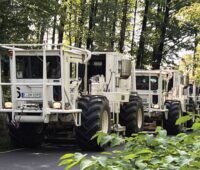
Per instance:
x=174, y=112
x=26, y=134
x=95, y=117
x=190, y=108
x=132, y=115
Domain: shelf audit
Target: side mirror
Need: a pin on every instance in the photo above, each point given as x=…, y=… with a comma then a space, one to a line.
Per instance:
x=125, y=67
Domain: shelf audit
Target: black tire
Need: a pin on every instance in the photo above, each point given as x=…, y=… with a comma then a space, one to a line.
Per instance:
x=190, y=108
x=94, y=108
x=132, y=115
x=174, y=112
x=26, y=134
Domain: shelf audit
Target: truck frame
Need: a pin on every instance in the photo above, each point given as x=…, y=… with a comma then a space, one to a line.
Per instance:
x=47, y=91
x=164, y=96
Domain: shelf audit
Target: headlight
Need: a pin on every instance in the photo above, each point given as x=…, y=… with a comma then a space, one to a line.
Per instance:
x=156, y=106
x=8, y=105
x=57, y=105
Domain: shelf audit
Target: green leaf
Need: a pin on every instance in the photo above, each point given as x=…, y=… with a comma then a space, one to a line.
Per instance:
x=65, y=162
x=99, y=135
x=144, y=151
x=79, y=156
x=162, y=133
x=181, y=152
x=101, y=160
x=105, y=139
x=66, y=156
x=106, y=153
x=140, y=164
x=158, y=129
x=114, y=168
x=195, y=164
x=183, y=119
x=196, y=126
x=86, y=164
x=170, y=159
x=68, y=167
x=116, y=142
x=117, y=152
x=130, y=156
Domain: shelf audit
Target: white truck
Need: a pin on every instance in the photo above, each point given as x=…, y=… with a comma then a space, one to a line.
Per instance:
x=50, y=92
x=164, y=94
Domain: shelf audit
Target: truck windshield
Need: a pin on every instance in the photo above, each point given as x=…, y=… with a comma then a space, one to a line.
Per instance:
x=31, y=67
x=142, y=82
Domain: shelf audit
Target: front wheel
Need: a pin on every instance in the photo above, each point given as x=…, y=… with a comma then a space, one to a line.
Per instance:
x=191, y=108
x=132, y=115
x=174, y=112
x=95, y=117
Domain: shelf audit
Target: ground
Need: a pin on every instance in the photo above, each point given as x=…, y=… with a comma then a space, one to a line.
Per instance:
x=44, y=158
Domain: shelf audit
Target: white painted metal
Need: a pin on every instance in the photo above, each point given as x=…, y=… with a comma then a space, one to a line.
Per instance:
x=114, y=85
x=44, y=86
x=105, y=122
x=176, y=93
x=140, y=118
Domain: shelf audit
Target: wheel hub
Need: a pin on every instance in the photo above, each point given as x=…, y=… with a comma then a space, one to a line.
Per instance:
x=105, y=122
x=139, y=118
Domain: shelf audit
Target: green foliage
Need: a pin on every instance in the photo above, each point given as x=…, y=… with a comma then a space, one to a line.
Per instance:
x=190, y=14
x=23, y=21
x=143, y=151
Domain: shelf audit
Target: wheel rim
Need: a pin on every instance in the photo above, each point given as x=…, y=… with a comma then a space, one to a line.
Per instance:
x=139, y=118
x=104, y=122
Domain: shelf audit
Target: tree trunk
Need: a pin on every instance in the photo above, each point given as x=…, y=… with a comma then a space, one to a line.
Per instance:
x=196, y=42
x=112, y=41
x=123, y=27
x=158, y=53
x=42, y=32
x=61, y=31
x=70, y=23
x=134, y=23
x=38, y=32
x=140, y=52
x=92, y=15
x=54, y=30
x=81, y=23
x=62, y=24
x=76, y=28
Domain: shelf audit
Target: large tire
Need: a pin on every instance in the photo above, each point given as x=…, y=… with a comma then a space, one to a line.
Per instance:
x=174, y=112
x=132, y=115
x=190, y=108
x=95, y=117
x=26, y=134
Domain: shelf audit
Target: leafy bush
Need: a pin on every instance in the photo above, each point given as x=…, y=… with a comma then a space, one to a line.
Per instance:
x=143, y=151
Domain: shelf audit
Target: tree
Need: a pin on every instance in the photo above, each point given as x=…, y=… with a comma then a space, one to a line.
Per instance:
x=140, y=51
x=158, y=51
x=25, y=21
x=123, y=26
x=81, y=22
x=189, y=15
x=134, y=25
x=92, y=15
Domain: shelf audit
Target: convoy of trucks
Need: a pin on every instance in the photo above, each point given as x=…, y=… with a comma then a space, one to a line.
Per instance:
x=45, y=91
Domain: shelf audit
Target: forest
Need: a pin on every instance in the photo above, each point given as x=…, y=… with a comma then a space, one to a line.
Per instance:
x=155, y=32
